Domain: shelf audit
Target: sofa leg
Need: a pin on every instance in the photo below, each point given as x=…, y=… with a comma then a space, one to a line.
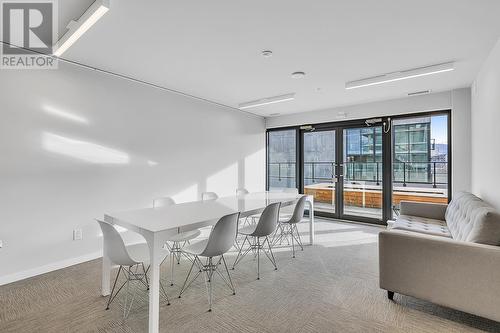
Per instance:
x=390, y=295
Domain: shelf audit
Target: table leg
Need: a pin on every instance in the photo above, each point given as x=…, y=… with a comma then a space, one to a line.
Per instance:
x=106, y=272
x=311, y=220
x=154, y=283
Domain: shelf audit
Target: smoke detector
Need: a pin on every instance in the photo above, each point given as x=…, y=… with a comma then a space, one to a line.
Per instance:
x=298, y=75
x=267, y=53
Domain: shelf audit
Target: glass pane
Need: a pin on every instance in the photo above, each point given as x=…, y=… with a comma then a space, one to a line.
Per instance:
x=363, y=172
x=420, y=159
x=319, y=169
x=282, y=156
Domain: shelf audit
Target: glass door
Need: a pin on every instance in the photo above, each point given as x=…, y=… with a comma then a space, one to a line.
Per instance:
x=342, y=169
x=361, y=179
x=319, y=169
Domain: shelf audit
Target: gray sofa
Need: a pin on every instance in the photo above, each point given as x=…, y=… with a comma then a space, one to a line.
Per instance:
x=445, y=254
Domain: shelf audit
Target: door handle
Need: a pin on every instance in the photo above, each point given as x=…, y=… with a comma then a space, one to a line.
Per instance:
x=342, y=174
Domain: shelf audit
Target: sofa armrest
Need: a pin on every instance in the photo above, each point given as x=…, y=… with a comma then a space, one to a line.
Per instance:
x=424, y=209
x=460, y=275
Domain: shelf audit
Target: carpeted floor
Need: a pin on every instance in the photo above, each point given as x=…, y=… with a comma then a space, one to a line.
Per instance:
x=330, y=287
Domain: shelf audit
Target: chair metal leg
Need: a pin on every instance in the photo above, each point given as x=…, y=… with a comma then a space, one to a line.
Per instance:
x=293, y=244
x=236, y=244
x=126, y=297
x=184, y=287
x=273, y=260
x=228, y=275
x=113, y=289
x=240, y=255
x=297, y=239
x=275, y=235
x=172, y=258
x=258, y=258
x=164, y=293
x=210, y=281
x=145, y=275
x=131, y=276
x=178, y=252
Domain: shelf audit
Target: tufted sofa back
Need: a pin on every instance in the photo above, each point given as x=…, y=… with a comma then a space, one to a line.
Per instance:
x=470, y=219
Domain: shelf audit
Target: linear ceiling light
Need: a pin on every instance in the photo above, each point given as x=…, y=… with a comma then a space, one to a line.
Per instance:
x=78, y=28
x=266, y=101
x=403, y=75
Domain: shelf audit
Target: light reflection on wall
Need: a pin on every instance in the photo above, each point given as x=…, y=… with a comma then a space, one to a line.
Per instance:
x=83, y=150
x=254, y=175
x=188, y=194
x=64, y=114
x=224, y=182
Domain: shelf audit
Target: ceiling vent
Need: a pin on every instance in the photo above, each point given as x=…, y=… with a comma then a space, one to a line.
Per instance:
x=422, y=92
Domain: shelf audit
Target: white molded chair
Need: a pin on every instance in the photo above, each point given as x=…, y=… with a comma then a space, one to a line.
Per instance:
x=178, y=241
x=288, y=228
x=266, y=226
x=218, y=243
x=130, y=258
x=285, y=212
x=209, y=196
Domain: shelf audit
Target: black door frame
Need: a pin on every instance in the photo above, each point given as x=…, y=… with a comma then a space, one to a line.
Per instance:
x=339, y=127
x=387, y=155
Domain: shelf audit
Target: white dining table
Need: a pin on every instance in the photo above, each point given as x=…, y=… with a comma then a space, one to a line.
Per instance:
x=156, y=225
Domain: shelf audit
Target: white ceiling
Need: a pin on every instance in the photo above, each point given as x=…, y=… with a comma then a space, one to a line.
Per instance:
x=211, y=49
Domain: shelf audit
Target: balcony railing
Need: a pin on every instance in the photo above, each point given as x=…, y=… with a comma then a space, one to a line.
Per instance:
x=426, y=173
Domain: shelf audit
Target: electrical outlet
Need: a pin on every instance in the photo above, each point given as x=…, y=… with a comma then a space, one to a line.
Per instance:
x=77, y=234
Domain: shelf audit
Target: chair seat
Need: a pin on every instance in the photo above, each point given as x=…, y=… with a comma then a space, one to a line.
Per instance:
x=140, y=253
x=247, y=230
x=185, y=236
x=196, y=248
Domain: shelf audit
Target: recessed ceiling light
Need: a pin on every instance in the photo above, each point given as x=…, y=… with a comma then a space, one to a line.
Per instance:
x=402, y=75
x=267, y=53
x=266, y=101
x=78, y=28
x=298, y=75
x=275, y=114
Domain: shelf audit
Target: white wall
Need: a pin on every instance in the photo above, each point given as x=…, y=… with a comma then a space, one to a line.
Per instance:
x=485, y=132
x=51, y=184
x=458, y=101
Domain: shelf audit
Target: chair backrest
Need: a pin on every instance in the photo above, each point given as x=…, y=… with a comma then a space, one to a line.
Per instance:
x=298, y=211
x=241, y=191
x=268, y=220
x=209, y=196
x=116, y=250
x=222, y=236
x=165, y=201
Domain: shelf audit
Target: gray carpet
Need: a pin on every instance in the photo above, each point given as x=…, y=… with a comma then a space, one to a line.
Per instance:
x=330, y=287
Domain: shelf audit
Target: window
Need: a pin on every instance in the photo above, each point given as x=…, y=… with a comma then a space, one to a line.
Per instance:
x=420, y=159
x=282, y=159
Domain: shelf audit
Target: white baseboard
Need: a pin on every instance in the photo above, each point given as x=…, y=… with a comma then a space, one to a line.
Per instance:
x=48, y=268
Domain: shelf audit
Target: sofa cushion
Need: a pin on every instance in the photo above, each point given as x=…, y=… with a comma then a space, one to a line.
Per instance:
x=470, y=219
x=422, y=225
